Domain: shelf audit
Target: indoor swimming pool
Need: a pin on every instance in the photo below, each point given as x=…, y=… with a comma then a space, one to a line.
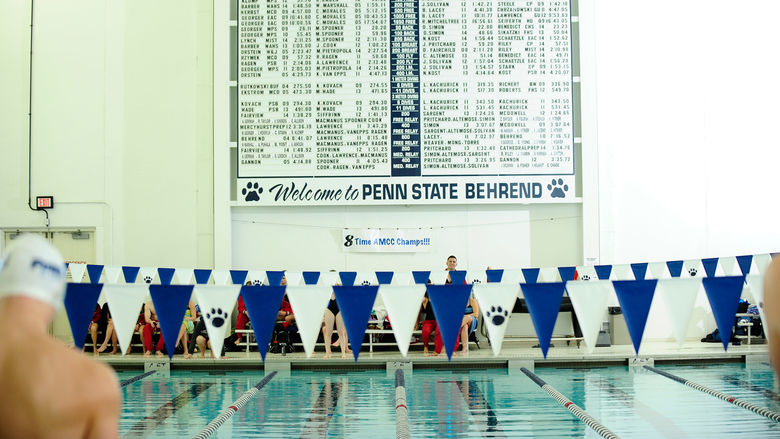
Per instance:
x=450, y=402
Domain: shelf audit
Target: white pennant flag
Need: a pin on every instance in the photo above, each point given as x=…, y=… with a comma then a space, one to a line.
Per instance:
x=402, y=278
x=678, y=296
x=589, y=300
x=124, y=302
x=657, y=270
x=403, y=305
x=294, y=278
x=257, y=277
x=146, y=275
x=549, y=274
x=221, y=277
x=309, y=303
x=216, y=303
x=762, y=261
x=77, y=272
x=439, y=277
x=756, y=284
x=512, y=276
x=366, y=278
x=184, y=276
x=729, y=266
x=328, y=279
x=622, y=272
x=693, y=268
x=112, y=273
x=496, y=302
x=586, y=272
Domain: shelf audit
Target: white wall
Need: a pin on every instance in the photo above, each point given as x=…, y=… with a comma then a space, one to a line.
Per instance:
x=122, y=120
x=687, y=109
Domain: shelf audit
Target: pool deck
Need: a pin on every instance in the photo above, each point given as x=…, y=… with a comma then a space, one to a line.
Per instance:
x=513, y=354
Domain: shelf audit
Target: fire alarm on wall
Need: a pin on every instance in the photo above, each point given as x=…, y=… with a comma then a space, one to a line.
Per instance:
x=46, y=202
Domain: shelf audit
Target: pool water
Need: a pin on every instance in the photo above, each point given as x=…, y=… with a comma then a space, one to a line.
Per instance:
x=631, y=402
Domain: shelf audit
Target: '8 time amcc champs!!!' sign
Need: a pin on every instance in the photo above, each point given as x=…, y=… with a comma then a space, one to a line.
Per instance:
x=405, y=102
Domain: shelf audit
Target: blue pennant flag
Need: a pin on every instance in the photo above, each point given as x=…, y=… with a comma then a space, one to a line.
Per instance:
x=170, y=303
x=531, y=275
x=262, y=304
x=311, y=277
x=603, y=271
x=744, y=263
x=640, y=270
x=544, y=302
x=723, y=294
x=495, y=275
x=449, y=303
x=166, y=275
x=710, y=266
x=347, y=278
x=201, y=276
x=238, y=276
x=567, y=273
x=355, y=305
x=384, y=277
x=94, y=272
x=274, y=278
x=458, y=277
x=675, y=268
x=635, y=297
x=80, y=301
x=421, y=277
x=131, y=274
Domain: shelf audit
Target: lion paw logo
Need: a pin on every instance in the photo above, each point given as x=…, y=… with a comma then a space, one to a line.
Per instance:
x=497, y=315
x=365, y=283
x=693, y=271
x=558, y=188
x=257, y=282
x=251, y=191
x=217, y=317
x=148, y=279
x=585, y=277
x=476, y=281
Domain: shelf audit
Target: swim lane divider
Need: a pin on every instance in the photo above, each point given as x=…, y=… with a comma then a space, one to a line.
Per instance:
x=572, y=407
x=233, y=408
x=139, y=377
x=728, y=398
x=401, y=410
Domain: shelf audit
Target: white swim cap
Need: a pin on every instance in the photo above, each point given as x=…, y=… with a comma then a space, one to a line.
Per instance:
x=33, y=268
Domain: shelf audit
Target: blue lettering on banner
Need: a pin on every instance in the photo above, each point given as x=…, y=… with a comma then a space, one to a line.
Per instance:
x=482, y=191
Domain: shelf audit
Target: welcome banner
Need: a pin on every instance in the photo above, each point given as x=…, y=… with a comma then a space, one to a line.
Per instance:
x=386, y=240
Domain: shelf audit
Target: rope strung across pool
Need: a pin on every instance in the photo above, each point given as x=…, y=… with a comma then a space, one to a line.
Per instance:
x=233, y=408
x=139, y=377
x=728, y=398
x=401, y=410
x=572, y=407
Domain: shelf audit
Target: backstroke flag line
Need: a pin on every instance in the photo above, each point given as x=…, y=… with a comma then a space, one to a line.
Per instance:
x=678, y=296
x=170, y=304
x=80, y=302
x=544, y=301
x=449, y=304
x=355, y=304
x=635, y=298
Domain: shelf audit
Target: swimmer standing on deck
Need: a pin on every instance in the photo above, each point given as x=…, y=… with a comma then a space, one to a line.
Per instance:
x=46, y=389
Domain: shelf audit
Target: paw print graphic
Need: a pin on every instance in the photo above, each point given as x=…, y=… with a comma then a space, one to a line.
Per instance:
x=558, y=188
x=365, y=283
x=692, y=271
x=585, y=277
x=476, y=281
x=497, y=315
x=251, y=191
x=217, y=317
x=148, y=279
x=257, y=282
